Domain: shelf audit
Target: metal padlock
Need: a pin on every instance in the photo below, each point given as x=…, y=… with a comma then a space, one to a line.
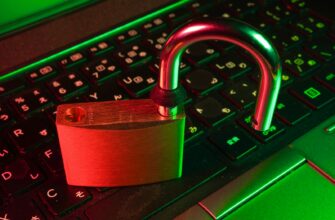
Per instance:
x=120, y=143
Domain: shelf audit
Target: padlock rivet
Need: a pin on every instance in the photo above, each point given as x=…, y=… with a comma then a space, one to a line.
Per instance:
x=74, y=114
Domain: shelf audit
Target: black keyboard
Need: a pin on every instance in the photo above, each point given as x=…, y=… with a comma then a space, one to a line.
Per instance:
x=221, y=81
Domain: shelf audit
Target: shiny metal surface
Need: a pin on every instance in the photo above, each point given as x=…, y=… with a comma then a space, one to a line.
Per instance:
x=240, y=34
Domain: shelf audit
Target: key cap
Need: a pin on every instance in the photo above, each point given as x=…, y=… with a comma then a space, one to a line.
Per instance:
x=138, y=82
x=285, y=40
x=61, y=198
x=100, y=48
x=5, y=152
x=240, y=8
x=41, y=73
x=21, y=209
x=289, y=110
x=275, y=129
x=326, y=77
x=201, y=81
x=231, y=65
x=310, y=25
x=100, y=70
x=71, y=60
x=200, y=53
x=192, y=129
x=312, y=94
x=67, y=85
x=241, y=92
x=128, y=36
x=31, y=100
x=300, y=63
x=155, y=25
x=212, y=110
x=276, y=14
x=286, y=78
x=132, y=55
x=109, y=90
x=18, y=176
x=51, y=157
x=11, y=86
x=26, y=135
x=156, y=41
x=322, y=47
x=178, y=17
x=5, y=115
x=233, y=142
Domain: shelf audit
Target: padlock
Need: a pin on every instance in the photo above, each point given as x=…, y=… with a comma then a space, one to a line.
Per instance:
x=131, y=142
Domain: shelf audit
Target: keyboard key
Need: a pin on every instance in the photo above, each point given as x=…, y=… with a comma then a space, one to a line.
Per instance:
x=138, y=82
x=192, y=129
x=200, y=53
x=322, y=47
x=71, y=60
x=312, y=94
x=41, y=73
x=132, y=55
x=212, y=109
x=326, y=77
x=107, y=91
x=99, y=48
x=241, y=8
x=61, y=198
x=18, y=176
x=201, y=81
x=11, y=86
x=27, y=134
x=154, y=25
x=300, y=63
x=5, y=115
x=178, y=16
x=276, y=14
x=290, y=110
x=231, y=65
x=265, y=136
x=310, y=25
x=285, y=40
x=31, y=100
x=67, y=85
x=21, y=209
x=128, y=36
x=241, y=92
x=51, y=157
x=101, y=70
x=5, y=152
x=156, y=41
x=233, y=142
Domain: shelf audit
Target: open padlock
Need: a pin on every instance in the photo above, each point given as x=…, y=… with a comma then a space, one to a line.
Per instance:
x=119, y=143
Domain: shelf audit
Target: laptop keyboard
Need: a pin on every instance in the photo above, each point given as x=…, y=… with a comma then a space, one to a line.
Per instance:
x=220, y=79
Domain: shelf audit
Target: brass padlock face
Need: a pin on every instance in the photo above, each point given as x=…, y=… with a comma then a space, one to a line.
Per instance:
x=119, y=143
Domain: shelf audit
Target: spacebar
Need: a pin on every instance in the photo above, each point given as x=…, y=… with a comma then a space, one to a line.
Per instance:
x=247, y=186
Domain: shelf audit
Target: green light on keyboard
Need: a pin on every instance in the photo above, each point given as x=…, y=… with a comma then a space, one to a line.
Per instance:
x=320, y=25
x=233, y=140
x=312, y=92
x=330, y=76
x=280, y=106
x=311, y=62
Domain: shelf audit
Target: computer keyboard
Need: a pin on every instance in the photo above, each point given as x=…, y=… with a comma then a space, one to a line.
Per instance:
x=220, y=79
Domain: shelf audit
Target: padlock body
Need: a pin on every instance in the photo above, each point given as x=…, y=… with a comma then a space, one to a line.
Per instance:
x=119, y=143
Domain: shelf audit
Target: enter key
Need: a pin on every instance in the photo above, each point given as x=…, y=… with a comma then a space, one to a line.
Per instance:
x=318, y=147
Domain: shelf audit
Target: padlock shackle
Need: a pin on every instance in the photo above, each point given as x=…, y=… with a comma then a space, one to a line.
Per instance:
x=240, y=34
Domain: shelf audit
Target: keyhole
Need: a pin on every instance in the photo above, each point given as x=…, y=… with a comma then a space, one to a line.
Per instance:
x=75, y=114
